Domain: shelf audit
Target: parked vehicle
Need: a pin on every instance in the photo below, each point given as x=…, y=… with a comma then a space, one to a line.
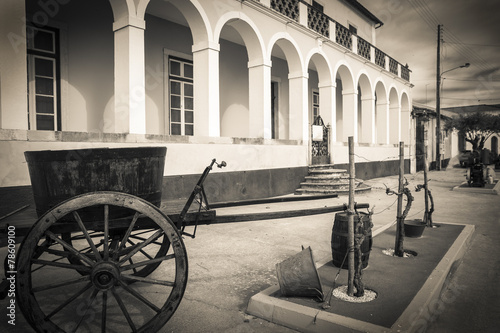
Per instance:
x=464, y=157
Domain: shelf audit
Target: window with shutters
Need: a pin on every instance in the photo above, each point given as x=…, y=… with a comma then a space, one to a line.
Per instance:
x=181, y=97
x=43, y=79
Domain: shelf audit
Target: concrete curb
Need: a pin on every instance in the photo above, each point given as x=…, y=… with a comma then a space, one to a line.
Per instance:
x=462, y=188
x=418, y=314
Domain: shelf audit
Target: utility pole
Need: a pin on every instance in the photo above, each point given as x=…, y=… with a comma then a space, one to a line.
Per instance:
x=438, y=100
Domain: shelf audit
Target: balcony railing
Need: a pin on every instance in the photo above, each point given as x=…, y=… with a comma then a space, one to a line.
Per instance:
x=289, y=8
x=318, y=22
x=343, y=36
x=393, y=66
x=364, y=48
x=321, y=24
x=379, y=58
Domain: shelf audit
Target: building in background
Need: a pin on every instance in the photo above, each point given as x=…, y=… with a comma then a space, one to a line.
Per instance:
x=492, y=142
x=425, y=137
x=240, y=81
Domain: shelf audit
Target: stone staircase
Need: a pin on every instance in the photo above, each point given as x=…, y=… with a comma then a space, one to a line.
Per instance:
x=324, y=179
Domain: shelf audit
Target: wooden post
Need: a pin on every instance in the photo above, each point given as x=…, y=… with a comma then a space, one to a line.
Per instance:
x=400, y=233
x=426, y=190
x=350, y=215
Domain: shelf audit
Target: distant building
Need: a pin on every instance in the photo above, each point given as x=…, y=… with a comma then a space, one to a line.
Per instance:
x=240, y=81
x=425, y=137
x=492, y=142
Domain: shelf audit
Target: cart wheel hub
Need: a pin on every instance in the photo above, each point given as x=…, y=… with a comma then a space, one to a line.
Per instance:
x=104, y=275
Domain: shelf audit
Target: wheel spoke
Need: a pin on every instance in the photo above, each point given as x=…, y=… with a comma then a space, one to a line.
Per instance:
x=139, y=297
x=147, y=262
x=142, y=238
x=124, y=310
x=42, y=266
x=104, y=311
x=127, y=234
x=60, y=284
x=151, y=238
x=92, y=298
x=142, y=251
x=69, y=247
x=69, y=300
x=106, y=232
x=86, y=234
x=82, y=268
x=148, y=280
x=131, y=262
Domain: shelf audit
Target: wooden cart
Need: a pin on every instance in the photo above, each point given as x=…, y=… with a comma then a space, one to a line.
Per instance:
x=102, y=256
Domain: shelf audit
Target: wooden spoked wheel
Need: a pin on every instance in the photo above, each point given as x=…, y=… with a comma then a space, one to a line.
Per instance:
x=126, y=273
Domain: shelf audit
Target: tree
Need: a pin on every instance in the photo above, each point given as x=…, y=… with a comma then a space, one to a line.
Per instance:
x=476, y=127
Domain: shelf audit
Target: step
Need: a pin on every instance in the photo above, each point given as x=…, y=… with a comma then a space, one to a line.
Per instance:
x=337, y=191
x=324, y=185
x=327, y=178
x=338, y=185
x=328, y=172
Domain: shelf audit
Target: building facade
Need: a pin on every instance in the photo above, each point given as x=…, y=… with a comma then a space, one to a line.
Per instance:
x=425, y=137
x=240, y=81
x=492, y=142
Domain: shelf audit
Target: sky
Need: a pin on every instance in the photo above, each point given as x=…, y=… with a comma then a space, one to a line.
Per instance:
x=470, y=34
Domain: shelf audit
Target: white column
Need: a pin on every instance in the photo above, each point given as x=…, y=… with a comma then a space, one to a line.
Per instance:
x=259, y=104
x=130, y=95
x=298, y=84
x=368, y=120
x=350, y=115
x=327, y=107
x=382, y=122
x=394, y=124
x=206, y=89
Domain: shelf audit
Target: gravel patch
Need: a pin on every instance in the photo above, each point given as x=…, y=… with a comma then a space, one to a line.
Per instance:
x=341, y=293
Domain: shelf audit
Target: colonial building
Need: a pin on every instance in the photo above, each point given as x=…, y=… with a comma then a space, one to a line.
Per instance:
x=240, y=81
x=425, y=137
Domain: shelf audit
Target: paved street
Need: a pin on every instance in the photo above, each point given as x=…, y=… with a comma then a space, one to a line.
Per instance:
x=229, y=263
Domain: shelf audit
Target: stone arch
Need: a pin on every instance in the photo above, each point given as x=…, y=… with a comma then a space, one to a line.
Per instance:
x=287, y=66
x=244, y=109
x=322, y=83
x=196, y=18
x=394, y=116
x=381, y=112
x=405, y=118
x=345, y=101
x=366, y=109
x=248, y=31
x=290, y=49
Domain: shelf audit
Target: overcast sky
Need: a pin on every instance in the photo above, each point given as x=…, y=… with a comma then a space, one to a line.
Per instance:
x=470, y=34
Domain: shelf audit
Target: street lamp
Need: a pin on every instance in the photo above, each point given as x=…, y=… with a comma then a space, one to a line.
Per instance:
x=438, y=112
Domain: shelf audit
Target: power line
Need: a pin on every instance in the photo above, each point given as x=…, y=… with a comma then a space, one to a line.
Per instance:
x=468, y=80
x=432, y=21
x=485, y=45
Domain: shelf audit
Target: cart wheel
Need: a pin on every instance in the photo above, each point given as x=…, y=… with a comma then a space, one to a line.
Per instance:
x=53, y=294
x=160, y=246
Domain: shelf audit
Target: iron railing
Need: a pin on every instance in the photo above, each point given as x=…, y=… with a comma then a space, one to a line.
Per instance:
x=320, y=23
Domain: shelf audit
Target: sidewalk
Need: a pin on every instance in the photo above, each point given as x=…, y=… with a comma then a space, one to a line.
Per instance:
x=229, y=263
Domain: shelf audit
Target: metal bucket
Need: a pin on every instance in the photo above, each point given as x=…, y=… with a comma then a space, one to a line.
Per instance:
x=414, y=228
x=57, y=175
x=297, y=276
